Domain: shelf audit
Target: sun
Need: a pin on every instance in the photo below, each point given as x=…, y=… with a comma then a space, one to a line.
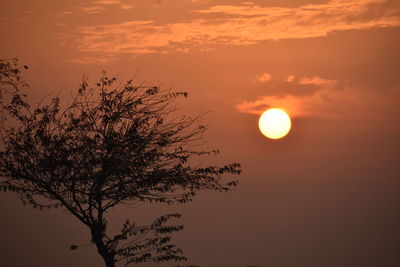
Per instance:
x=274, y=123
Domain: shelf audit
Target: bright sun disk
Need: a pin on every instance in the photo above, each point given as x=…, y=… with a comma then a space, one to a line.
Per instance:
x=274, y=123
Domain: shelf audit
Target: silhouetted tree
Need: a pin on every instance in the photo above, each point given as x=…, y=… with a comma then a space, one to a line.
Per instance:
x=113, y=145
x=10, y=76
x=10, y=83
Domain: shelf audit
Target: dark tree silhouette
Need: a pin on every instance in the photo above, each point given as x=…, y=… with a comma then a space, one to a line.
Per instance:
x=10, y=83
x=10, y=76
x=113, y=145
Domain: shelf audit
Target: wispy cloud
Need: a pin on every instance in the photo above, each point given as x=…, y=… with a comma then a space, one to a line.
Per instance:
x=125, y=5
x=243, y=24
x=98, y=7
x=326, y=101
x=316, y=80
x=107, y=2
x=119, y=38
x=65, y=12
x=290, y=78
x=252, y=23
x=93, y=9
x=90, y=60
x=264, y=78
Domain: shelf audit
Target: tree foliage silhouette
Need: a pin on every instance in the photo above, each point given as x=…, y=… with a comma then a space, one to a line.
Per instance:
x=113, y=145
x=10, y=83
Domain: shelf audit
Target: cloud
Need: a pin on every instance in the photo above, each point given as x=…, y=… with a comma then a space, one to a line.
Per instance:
x=290, y=78
x=124, y=5
x=316, y=81
x=238, y=25
x=264, y=78
x=107, y=38
x=107, y=2
x=201, y=1
x=251, y=23
x=100, y=6
x=90, y=60
x=93, y=9
x=66, y=12
x=328, y=101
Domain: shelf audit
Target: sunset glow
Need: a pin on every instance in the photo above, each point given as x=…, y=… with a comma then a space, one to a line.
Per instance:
x=303, y=94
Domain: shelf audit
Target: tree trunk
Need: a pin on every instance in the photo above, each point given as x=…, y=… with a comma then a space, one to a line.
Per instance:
x=107, y=256
x=102, y=249
x=109, y=260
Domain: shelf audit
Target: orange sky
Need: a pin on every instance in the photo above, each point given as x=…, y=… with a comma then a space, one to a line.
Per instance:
x=325, y=195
